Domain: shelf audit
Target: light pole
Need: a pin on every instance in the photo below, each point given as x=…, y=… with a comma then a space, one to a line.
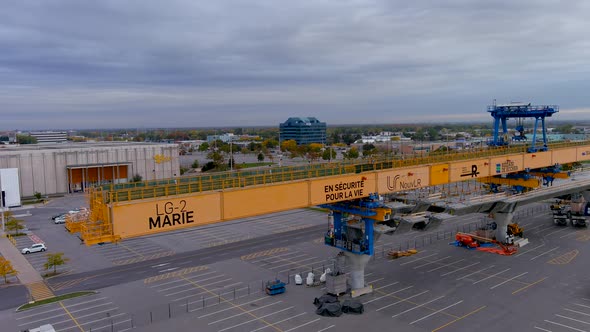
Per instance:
x=231, y=155
x=2, y=195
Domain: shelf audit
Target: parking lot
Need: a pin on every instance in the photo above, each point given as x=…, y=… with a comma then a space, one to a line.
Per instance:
x=443, y=287
x=86, y=313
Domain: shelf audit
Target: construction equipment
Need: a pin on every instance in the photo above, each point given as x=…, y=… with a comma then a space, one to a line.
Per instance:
x=574, y=211
x=515, y=230
x=275, y=287
x=394, y=254
x=501, y=113
x=474, y=241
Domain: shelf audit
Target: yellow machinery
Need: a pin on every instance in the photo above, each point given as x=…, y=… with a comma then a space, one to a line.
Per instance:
x=120, y=211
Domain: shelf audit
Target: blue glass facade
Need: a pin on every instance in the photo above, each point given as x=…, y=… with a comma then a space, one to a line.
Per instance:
x=303, y=131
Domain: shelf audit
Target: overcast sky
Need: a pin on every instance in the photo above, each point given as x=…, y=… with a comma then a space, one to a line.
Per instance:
x=196, y=63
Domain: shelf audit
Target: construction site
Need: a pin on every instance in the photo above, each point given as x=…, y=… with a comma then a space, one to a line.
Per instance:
x=356, y=234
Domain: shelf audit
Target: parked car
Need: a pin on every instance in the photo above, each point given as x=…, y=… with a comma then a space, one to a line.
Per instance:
x=60, y=220
x=61, y=215
x=37, y=247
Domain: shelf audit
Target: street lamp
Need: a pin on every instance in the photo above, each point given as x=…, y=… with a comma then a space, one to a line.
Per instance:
x=231, y=155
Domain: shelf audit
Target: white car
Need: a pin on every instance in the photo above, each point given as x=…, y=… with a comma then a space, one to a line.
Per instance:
x=34, y=248
x=60, y=220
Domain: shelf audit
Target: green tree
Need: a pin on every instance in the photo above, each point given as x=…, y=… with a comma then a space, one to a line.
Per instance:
x=216, y=157
x=329, y=154
x=195, y=164
x=37, y=195
x=12, y=224
x=204, y=147
x=26, y=139
x=136, y=178
x=260, y=157
x=353, y=153
x=55, y=260
x=6, y=269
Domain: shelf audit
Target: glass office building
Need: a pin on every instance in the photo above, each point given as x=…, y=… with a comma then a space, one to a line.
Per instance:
x=303, y=131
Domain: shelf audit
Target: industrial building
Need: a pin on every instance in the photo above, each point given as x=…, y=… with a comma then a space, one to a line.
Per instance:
x=70, y=167
x=303, y=130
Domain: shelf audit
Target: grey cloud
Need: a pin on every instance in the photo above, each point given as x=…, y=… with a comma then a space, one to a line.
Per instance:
x=260, y=61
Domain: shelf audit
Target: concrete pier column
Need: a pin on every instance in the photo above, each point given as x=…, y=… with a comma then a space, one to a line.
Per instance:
x=502, y=219
x=356, y=265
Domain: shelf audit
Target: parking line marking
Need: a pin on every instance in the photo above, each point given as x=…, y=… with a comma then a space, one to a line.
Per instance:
x=281, y=321
x=39, y=313
x=566, y=326
x=417, y=259
x=371, y=282
x=222, y=310
x=581, y=305
x=71, y=317
x=433, y=262
x=472, y=273
x=416, y=307
x=402, y=300
x=445, y=265
x=577, y=312
x=525, y=287
x=458, y=319
x=436, y=312
x=243, y=313
x=532, y=249
x=459, y=269
x=393, y=283
x=545, y=253
x=491, y=276
x=255, y=319
x=507, y=280
x=538, y=328
x=327, y=328
x=575, y=320
x=388, y=294
x=232, y=304
x=302, y=325
x=557, y=231
x=132, y=250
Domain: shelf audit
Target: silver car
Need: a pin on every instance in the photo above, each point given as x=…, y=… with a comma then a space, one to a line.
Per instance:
x=34, y=248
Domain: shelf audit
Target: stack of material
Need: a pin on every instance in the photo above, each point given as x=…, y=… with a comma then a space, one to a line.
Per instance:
x=329, y=306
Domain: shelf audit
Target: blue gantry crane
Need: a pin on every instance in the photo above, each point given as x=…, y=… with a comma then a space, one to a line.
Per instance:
x=519, y=111
x=355, y=226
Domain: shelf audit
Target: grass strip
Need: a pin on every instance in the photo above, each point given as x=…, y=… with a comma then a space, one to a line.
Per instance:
x=53, y=299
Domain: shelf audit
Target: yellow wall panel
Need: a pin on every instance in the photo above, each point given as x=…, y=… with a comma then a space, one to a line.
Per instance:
x=342, y=188
x=439, y=174
x=141, y=218
x=467, y=170
x=537, y=159
x=402, y=179
x=507, y=164
x=564, y=156
x=248, y=202
x=583, y=153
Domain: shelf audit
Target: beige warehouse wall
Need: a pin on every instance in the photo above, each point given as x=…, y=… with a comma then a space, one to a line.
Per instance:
x=44, y=169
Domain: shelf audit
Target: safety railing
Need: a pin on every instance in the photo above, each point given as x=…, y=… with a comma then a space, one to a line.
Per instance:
x=246, y=178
